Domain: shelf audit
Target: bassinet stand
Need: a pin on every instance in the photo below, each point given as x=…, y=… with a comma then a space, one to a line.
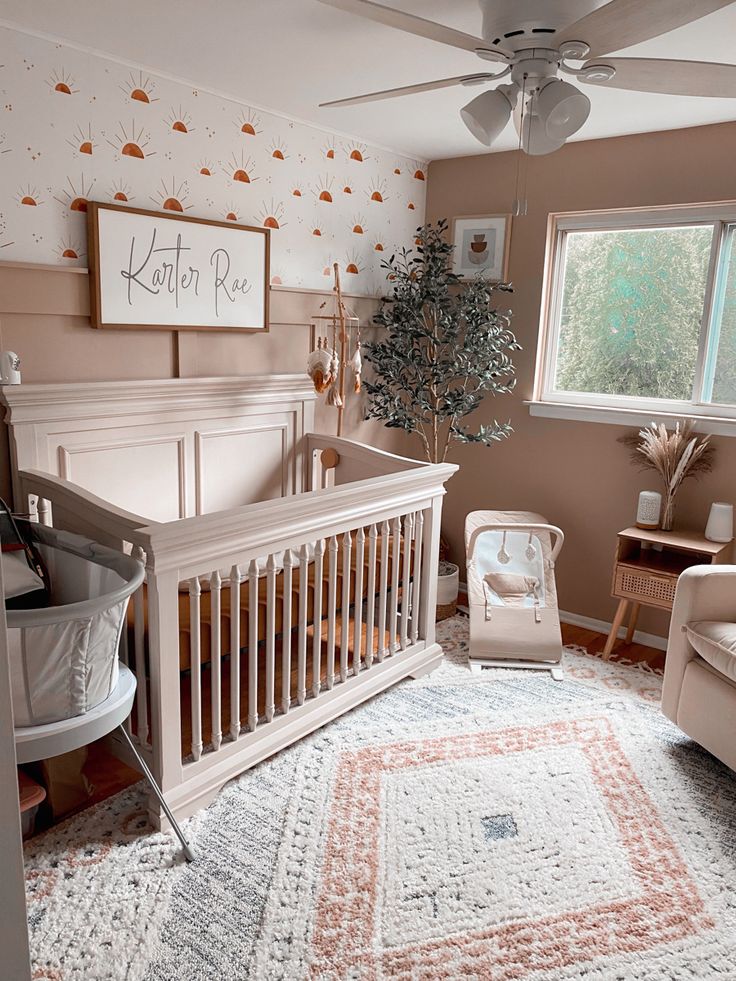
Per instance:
x=41, y=742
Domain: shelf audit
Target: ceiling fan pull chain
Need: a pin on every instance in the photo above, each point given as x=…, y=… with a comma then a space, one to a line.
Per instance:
x=520, y=204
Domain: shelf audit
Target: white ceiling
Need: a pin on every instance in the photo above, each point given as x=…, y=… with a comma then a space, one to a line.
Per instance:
x=289, y=55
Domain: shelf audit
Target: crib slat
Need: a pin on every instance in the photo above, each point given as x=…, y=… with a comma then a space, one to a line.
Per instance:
x=406, y=581
x=270, y=635
x=141, y=695
x=395, y=554
x=416, y=586
x=301, y=666
x=319, y=550
x=215, y=658
x=371, y=598
x=286, y=634
x=347, y=545
x=331, y=611
x=252, y=645
x=195, y=665
x=235, y=581
x=383, y=593
x=358, y=607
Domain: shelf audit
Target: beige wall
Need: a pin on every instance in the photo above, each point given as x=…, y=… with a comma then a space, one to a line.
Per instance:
x=576, y=473
x=44, y=317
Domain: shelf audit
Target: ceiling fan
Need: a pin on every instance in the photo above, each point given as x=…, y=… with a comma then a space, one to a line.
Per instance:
x=535, y=41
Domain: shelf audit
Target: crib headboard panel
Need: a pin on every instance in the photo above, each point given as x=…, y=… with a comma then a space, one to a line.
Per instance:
x=166, y=449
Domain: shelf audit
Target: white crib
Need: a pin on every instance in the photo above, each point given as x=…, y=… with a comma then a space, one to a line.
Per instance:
x=289, y=576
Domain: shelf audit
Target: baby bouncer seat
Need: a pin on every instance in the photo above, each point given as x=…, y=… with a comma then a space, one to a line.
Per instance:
x=514, y=620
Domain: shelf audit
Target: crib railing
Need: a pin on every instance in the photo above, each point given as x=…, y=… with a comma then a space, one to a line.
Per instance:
x=258, y=624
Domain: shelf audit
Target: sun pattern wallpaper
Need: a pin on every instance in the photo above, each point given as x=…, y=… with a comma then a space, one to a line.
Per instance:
x=75, y=127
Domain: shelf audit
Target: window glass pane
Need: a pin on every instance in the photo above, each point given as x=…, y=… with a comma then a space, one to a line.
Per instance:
x=724, y=376
x=631, y=309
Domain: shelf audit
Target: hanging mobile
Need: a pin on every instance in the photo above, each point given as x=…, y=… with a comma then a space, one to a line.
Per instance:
x=356, y=363
x=319, y=366
x=334, y=396
x=531, y=551
x=328, y=366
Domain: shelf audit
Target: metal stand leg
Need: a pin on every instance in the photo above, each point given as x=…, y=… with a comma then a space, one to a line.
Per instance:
x=188, y=853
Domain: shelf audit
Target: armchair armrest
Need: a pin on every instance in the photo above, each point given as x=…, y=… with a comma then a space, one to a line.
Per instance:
x=704, y=592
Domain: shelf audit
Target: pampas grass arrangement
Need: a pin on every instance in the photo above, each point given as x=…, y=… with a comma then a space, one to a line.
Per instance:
x=675, y=455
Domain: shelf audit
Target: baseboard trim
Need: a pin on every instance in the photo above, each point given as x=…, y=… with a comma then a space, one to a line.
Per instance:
x=603, y=627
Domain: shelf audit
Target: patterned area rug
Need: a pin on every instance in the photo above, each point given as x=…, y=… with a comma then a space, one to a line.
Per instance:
x=496, y=826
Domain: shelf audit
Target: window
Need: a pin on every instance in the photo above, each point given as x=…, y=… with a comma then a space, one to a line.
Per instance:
x=639, y=318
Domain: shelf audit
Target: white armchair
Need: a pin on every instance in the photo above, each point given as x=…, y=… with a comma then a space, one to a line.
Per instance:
x=699, y=692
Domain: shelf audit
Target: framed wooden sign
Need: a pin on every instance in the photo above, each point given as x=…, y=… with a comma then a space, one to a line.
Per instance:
x=169, y=272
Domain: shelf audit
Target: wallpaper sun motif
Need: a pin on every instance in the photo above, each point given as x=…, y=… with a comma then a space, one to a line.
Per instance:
x=75, y=127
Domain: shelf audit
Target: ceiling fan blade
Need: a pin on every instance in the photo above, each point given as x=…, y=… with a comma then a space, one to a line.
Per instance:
x=440, y=83
x=703, y=78
x=621, y=23
x=409, y=23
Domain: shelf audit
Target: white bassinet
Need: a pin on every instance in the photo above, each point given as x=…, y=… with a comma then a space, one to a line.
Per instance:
x=514, y=620
x=64, y=657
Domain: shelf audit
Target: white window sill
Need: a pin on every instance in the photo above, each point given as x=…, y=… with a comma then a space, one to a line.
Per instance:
x=620, y=416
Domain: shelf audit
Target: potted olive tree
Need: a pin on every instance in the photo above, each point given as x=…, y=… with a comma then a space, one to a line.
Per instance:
x=445, y=348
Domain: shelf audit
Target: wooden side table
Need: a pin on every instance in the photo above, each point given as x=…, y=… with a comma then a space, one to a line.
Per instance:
x=646, y=569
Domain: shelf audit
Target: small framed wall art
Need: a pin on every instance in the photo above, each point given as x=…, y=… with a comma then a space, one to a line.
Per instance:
x=151, y=269
x=482, y=245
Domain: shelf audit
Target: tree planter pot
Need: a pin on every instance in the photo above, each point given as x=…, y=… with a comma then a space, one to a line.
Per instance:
x=448, y=582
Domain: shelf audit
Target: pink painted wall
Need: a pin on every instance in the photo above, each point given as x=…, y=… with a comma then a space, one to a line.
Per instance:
x=577, y=473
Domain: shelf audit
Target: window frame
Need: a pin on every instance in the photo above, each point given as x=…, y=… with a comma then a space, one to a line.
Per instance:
x=617, y=409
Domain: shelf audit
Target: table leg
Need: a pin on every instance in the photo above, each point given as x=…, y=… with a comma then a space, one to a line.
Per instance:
x=632, y=622
x=617, y=621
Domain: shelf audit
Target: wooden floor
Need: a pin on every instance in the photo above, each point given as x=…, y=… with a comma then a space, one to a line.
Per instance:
x=594, y=642
x=108, y=775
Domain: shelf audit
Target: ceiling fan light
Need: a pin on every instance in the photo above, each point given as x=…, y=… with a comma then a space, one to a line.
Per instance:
x=487, y=114
x=534, y=137
x=562, y=108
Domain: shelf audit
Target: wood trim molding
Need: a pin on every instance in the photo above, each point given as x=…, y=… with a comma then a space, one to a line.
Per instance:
x=272, y=287
x=201, y=439
x=67, y=400
x=67, y=454
x=48, y=423
x=619, y=416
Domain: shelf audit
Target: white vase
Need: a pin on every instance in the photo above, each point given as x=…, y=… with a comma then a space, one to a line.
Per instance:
x=720, y=523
